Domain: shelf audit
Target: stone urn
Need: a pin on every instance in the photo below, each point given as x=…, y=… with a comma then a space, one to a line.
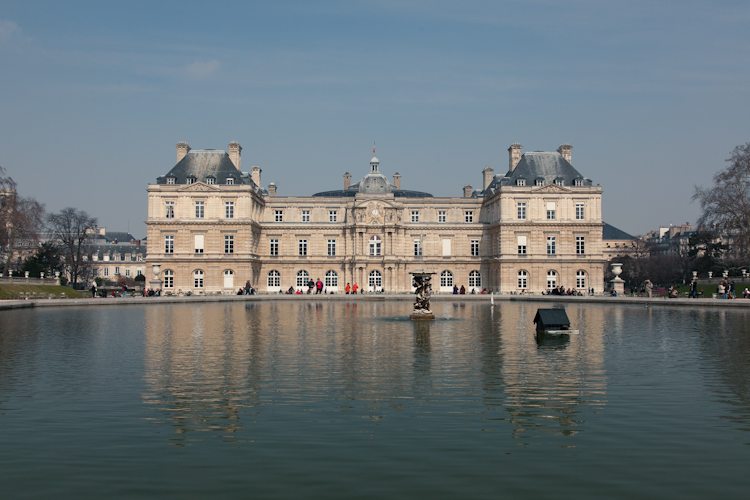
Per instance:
x=618, y=284
x=155, y=283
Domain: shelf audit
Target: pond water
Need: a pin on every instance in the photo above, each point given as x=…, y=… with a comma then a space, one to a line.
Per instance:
x=352, y=400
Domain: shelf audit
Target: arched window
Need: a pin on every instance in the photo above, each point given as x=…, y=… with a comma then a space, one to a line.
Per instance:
x=475, y=279
x=375, y=245
x=229, y=279
x=168, y=278
x=581, y=279
x=375, y=280
x=198, y=279
x=274, y=279
x=332, y=279
x=551, y=279
x=446, y=281
x=523, y=280
x=302, y=278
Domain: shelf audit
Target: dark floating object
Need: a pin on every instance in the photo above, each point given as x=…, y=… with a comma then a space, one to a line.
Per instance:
x=553, y=322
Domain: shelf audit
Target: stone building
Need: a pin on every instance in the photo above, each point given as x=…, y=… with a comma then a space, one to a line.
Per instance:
x=212, y=227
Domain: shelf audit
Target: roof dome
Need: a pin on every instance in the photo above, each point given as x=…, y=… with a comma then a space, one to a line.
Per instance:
x=374, y=183
x=374, y=159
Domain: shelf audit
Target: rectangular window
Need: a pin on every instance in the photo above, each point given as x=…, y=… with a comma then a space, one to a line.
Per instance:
x=106, y=272
x=169, y=206
x=199, y=206
x=333, y=216
x=274, y=246
x=580, y=245
x=520, y=182
x=230, y=181
x=169, y=243
x=550, y=245
x=228, y=243
x=229, y=210
x=170, y=180
x=550, y=210
x=302, y=247
x=446, y=247
x=199, y=240
x=521, y=210
x=442, y=216
x=278, y=216
x=117, y=270
x=417, y=248
x=469, y=216
x=522, y=245
x=415, y=215
x=475, y=248
x=580, y=211
x=305, y=216
x=331, y=248
x=127, y=273
x=210, y=180
x=190, y=180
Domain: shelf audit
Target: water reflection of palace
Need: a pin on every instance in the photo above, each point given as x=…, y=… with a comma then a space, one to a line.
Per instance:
x=214, y=368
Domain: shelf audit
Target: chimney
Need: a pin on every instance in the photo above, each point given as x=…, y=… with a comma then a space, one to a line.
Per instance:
x=137, y=243
x=467, y=191
x=182, y=150
x=272, y=189
x=514, y=156
x=256, y=174
x=347, y=180
x=397, y=180
x=487, y=175
x=132, y=241
x=565, y=149
x=234, y=153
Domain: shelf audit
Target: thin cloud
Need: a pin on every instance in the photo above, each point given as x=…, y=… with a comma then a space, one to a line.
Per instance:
x=8, y=29
x=202, y=69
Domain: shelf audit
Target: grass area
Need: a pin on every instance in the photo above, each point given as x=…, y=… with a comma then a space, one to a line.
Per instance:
x=43, y=291
x=709, y=290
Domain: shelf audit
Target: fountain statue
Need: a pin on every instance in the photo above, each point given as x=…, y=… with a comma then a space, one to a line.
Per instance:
x=423, y=283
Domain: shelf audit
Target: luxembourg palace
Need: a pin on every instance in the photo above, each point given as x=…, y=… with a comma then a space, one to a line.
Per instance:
x=213, y=227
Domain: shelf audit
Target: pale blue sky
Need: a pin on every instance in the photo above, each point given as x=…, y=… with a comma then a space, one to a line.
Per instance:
x=94, y=95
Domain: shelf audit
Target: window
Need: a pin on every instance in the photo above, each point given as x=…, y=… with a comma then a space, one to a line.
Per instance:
x=190, y=180
x=468, y=216
x=550, y=210
x=274, y=246
x=580, y=245
x=521, y=210
x=446, y=279
x=199, y=209
x=117, y=270
x=139, y=257
x=375, y=280
x=578, y=182
x=169, y=243
x=442, y=216
x=127, y=272
x=375, y=245
x=523, y=277
x=229, y=210
x=168, y=278
x=228, y=243
x=198, y=279
x=331, y=248
x=230, y=181
x=559, y=182
x=278, y=216
x=210, y=180
x=274, y=278
x=169, y=208
x=417, y=248
x=581, y=279
x=170, y=180
x=302, y=279
x=332, y=279
x=199, y=240
x=522, y=244
x=415, y=215
x=106, y=272
x=580, y=211
x=475, y=248
x=229, y=279
x=305, y=216
x=520, y=182
x=551, y=279
x=539, y=182
x=475, y=279
x=333, y=215
x=551, y=245
x=302, y=248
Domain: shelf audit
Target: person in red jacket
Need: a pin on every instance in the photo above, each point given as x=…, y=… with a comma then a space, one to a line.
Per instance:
x=355, y=288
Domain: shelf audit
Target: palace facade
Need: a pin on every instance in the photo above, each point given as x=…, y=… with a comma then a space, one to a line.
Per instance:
x=212, y=227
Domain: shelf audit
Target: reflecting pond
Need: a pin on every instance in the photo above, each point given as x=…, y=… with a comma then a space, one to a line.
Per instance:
x=286, y=399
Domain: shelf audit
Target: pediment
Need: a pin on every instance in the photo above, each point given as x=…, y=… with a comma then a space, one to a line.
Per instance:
x=199, y=187
x=551, y=188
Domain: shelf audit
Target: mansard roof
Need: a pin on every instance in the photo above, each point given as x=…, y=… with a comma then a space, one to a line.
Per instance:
x=200, y=164
x=546, y=166
x=610, y=232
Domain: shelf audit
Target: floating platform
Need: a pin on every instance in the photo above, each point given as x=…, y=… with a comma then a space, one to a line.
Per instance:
x=553, y=322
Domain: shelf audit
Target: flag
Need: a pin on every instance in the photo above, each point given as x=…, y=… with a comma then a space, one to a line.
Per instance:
x=373, y=148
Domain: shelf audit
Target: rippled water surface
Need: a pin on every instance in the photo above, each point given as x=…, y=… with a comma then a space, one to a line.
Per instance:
x=352, y=400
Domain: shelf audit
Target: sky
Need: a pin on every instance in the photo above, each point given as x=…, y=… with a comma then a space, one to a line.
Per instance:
x=652, y=95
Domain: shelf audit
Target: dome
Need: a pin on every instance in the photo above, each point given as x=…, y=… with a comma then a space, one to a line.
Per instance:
x=374, y=159
x=374, y=183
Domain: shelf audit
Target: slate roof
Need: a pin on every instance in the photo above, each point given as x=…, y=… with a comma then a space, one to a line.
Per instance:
x=547, y=166
x=202, y=163
x=610, y=232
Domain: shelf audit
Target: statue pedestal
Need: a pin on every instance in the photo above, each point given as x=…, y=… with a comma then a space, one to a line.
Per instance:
x=618, y=285
x=422, y=316
x=154, y=284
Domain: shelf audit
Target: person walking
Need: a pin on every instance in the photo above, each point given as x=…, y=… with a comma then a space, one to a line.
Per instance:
x=93, y=291
x=355, y=288
x=694, y=289
x=347, y=289
x=649, y=288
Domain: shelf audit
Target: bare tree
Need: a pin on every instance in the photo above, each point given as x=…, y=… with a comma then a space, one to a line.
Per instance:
x=73, y=229
x=726, y=205
x=21, y=220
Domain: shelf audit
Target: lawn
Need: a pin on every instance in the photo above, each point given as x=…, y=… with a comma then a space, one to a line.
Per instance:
x=38, y=291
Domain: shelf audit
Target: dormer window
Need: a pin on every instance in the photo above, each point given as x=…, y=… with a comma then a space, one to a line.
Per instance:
x=578, y=182
x=230, y=181
x=520, y=182
x=170, y=180
x=210, y=179
x=191, y=180
x=559, y=182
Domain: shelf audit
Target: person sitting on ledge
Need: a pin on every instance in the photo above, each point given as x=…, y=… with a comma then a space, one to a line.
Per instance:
x=455, y=290
x=463, y=290
x=290, y=291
